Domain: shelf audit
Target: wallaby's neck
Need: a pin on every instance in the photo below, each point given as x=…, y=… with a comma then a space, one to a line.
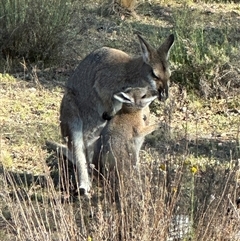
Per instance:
x=136, y=64
x=137, y=67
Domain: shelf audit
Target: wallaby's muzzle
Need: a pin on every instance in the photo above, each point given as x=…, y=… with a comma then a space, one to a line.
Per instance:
x=163, y=93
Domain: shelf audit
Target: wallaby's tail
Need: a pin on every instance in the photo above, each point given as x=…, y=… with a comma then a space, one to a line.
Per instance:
x=61, y=149
x=51, y=145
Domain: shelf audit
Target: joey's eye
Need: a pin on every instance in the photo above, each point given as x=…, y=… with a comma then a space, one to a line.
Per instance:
x=154, y=76
x=144, y=96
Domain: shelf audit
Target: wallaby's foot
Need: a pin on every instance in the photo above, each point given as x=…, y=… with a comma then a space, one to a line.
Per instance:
x=84, y=193
x=84, y=190
x=81, y=192
x=106, y=116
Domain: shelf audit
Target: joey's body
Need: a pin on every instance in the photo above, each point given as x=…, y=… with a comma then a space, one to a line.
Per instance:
x=88, y=101
x=117, y=149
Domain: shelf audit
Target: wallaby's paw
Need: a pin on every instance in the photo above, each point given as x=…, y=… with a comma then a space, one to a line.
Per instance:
x=106, y=116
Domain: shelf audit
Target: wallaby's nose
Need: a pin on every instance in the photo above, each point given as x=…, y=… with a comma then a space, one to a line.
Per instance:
x=163, y=94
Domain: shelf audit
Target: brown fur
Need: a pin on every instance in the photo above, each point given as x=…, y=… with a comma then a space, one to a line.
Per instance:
x=117, y=149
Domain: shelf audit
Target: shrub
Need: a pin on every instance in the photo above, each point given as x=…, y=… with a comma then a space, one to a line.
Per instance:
x=202, y=51
x=32, y=29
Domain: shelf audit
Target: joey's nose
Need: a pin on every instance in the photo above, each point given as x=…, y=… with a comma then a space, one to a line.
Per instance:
x=154, y=92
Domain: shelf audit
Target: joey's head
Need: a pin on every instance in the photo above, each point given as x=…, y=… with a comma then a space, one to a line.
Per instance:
x=136, y=98
x=157, y=69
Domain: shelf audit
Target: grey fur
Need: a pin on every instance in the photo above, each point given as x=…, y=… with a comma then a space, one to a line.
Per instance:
x=90, y=90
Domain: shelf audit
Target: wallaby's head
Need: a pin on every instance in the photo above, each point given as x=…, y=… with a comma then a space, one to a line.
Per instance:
x=136, y=98
x=157, y=60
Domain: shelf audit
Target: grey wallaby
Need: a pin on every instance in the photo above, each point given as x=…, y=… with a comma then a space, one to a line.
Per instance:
x=89, y=100
x=117, y=149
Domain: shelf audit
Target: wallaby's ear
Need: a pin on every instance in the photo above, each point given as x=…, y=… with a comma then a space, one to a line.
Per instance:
x=164, y=49
x=123, y=97
x=146, y=49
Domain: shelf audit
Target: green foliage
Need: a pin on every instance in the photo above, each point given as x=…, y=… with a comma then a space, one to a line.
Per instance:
x=32, y=29
x=201, y=50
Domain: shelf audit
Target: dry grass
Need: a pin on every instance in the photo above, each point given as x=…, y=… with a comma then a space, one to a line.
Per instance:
x=189, y=171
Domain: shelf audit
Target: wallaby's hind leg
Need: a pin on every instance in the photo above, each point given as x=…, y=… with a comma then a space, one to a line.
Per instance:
x=77, y=148
x=62, y=150
x=72, y=129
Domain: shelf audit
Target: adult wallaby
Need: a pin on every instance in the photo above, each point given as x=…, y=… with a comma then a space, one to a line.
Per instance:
x=88, y=101
x=121, y=139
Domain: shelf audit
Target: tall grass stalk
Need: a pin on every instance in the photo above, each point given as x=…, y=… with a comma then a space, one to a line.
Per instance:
x=156, y=204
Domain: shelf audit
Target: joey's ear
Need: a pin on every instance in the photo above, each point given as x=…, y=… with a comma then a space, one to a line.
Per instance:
x=149, y=100
x=123, y=97
x=146, y=49
x=164, y=49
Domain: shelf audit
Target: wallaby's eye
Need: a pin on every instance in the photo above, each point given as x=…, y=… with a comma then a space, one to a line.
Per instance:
x=144, y=96
x=154, y=76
